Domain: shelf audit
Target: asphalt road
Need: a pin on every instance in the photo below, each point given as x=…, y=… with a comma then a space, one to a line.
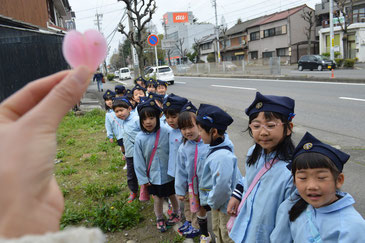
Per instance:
x=333, y=112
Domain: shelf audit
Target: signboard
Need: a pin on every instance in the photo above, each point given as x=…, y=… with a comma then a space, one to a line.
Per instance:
x=168, y=44
x=165, y=19
x=180, y=17
x=337, y=20
x=152, y=40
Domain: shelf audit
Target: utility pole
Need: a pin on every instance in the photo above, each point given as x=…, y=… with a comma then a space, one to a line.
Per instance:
x=332, y=41
x=133, y=50
x=217, y=31
x=98, y=20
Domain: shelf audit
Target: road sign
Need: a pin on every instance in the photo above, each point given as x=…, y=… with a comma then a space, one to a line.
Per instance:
x=152, y=40
x=168, y=44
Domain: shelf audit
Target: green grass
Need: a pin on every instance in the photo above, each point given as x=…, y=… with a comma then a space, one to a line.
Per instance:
x=91, y=177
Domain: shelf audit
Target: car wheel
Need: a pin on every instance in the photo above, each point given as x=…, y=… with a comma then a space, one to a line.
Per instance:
x=171, y=82
x=319, y=68
x=300, y=68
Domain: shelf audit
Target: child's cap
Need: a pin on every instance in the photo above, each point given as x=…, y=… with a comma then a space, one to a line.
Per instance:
x=189, y=107
x=108, y=95
x=119, y=89
x=129, y=93
x=140, y=78
x=122, y=98
x=280, y=104
x=310, y=144
x=173, y=101
x=213, y=116
x=156, y=96
x=138, y=87
x=160, y=82
x=148, y=103
x=152, y=82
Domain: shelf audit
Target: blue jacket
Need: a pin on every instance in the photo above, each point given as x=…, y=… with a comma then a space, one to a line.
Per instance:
x=98, y=77
x=113, y=125
x=220, y=176
x=337, y=222
x=185, y=164
x=142, y=153
x=256, y=220
x=131, y=127
x=175, y=140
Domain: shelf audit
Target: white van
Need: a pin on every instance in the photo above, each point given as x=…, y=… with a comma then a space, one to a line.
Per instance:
x=165, y=73
x=124, y=73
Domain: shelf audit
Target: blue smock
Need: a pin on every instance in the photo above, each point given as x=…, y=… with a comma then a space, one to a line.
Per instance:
x=142, y=152
x=131, y=127
x=337, y=222
x=113, y=125
x=185, y=164
x=256, y=220
x=219, y=178
x=175, y=140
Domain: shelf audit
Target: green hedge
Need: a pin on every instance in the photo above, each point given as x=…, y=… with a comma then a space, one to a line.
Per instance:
x=349, y=63
x=110, y=76
x=339, y=62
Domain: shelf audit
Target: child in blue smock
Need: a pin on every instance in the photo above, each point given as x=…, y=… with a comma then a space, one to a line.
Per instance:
x=123, y=110
x=138, y=92
x=140, y=81
x=151, y=86
x=271, y=128
x=318, y=211
x=162, y=88
x=112, y=123
x=119, y=92
x=220, y=173
x=152, y=171
x=189, y=166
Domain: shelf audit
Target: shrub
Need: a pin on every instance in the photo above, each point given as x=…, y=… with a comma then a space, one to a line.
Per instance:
x=339, y=62
x=326, y=54
x=110, y=76
x=349, y=63
x=211, y=57
x=337, y=54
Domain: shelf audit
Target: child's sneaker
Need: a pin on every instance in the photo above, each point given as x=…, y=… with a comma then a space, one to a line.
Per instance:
x=161, y=226
x=184, y=227
x=174, y=218
x=131, y=197
x=205, y=239
x=169, y=210
x=191, y=232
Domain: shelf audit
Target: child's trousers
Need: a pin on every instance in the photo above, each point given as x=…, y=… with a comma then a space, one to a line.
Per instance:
x=219, y=223
x=189, y=216
x=131, y=175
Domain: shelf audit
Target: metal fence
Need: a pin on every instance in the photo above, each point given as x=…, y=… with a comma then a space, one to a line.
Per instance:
x=26, y=55
x=267, y=66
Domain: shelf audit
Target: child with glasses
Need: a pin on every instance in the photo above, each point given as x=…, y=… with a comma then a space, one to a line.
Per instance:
x=268, y=182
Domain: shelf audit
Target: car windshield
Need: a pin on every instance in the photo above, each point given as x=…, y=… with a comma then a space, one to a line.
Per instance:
x=125, y=70
x=164, y=69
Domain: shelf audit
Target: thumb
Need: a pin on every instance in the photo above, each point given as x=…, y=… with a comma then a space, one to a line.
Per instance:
x=61, y=98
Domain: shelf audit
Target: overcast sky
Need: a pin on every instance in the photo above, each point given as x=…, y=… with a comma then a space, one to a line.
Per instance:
x=228, y=11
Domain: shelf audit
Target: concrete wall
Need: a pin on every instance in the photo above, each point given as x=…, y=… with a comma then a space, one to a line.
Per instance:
x=297, y=27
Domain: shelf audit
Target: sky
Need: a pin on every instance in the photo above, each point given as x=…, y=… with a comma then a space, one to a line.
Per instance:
x=228, y=11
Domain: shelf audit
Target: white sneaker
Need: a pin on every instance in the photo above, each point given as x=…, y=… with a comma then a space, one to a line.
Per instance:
x=125, y=167
x=205, y=239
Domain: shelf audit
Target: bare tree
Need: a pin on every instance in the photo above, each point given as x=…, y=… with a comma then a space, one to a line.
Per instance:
x=179, y=45
x=308, y=17
x=140, y=13
x=346, y=12
x=196, y=48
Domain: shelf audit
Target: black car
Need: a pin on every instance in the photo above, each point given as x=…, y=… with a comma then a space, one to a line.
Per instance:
x=315, y=62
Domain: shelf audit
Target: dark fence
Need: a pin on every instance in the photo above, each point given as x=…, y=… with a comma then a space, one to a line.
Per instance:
x=26, y=55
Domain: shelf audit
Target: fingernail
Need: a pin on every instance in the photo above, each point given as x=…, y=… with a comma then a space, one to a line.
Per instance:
x=81, y=74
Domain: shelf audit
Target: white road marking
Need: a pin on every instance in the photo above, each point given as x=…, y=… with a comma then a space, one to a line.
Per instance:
x=348, y=98
x=176, y=82
x=232, y=87
x=279, y=81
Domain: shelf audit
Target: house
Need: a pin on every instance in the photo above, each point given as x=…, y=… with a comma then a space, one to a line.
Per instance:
x=207, y=45
x=280, y=34
x=355, y=44
x=53, y=15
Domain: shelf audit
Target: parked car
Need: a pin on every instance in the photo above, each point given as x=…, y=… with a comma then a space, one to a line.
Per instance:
x=164, y=73
x=315, y=62
x=124, y=73
x=116, y=74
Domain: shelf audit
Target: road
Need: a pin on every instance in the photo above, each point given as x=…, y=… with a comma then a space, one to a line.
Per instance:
x=333, y=112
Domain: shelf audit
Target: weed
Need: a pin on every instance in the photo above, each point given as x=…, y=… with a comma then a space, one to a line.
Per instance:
x=60, y=154
x=71, y=217
x=94, y=159
x=71, y=141
x=67, y=171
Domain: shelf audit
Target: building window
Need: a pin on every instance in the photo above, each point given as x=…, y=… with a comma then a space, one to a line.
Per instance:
x=206, y=46
x=267, y=54
x=281, y=52
x=358, y=15
x=269, y=32
x=255, y=36
x=227, y=43
x=254, y=54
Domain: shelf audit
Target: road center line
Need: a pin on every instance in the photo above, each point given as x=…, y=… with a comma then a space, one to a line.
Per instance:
x=176, y=82
x=348, y=98
x=232, y=87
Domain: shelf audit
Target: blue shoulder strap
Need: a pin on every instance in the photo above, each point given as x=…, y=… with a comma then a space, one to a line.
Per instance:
x=219, y=148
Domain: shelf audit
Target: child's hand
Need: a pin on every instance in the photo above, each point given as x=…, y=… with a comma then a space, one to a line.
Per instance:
x=147, y=184
x=181, y=198
x=111, y=140
x=233, y=206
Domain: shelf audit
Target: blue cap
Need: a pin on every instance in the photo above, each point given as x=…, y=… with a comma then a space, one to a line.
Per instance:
x=160, y=82
x=129, y=93
x=280, y=104
x=140, y=78
x=310, y=144
x=108, y=95
x=122, y=98
x=148, y=103
x=173, y=101
x=213, y=116
x=189, y=107
x=156, y=96
x=119, y=89
x=138, y=87
x=151, y=81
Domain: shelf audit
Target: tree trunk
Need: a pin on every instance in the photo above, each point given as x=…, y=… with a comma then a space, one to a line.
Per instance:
x=344, y=43
x=140, y=61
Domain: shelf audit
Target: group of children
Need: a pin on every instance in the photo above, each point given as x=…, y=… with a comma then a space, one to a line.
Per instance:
x=176, y=151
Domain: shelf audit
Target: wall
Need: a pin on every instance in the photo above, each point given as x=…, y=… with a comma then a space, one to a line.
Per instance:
x=31, y=11
x=297, y=27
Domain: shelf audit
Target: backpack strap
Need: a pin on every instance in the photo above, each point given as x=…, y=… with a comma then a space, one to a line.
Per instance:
x=219, y=148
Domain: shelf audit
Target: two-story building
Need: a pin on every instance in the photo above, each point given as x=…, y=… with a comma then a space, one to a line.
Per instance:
x=280, y=34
